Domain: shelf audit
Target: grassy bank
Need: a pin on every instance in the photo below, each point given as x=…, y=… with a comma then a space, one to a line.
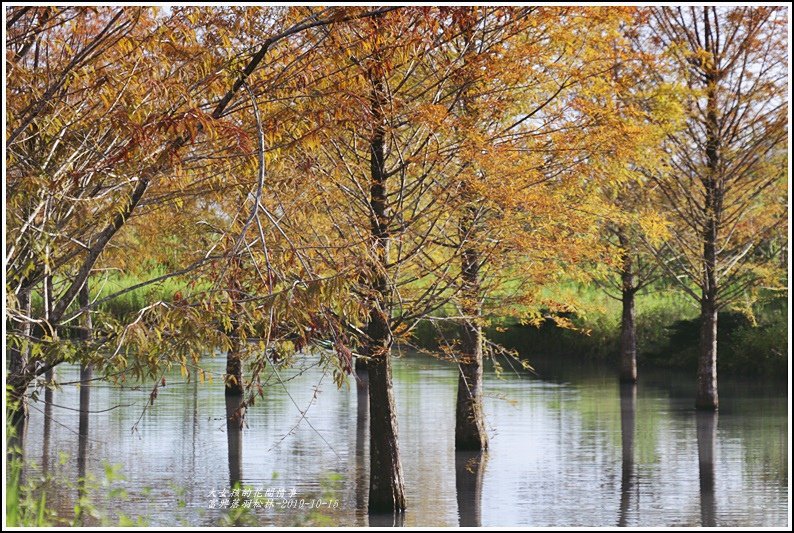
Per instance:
x=667, y=332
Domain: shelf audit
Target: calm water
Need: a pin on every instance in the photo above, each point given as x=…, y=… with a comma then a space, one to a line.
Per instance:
x=568, y=448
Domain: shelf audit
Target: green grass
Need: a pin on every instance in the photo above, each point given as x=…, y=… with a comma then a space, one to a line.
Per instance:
x=127, y=305
x=23, y=507
x=26, y=506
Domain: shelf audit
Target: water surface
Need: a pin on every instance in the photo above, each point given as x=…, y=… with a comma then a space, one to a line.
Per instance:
x=568, y=447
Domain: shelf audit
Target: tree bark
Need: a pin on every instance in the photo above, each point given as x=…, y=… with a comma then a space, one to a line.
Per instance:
x=470, y=432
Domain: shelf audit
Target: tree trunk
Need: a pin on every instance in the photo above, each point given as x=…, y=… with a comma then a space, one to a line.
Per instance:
x=235, y=412
x=469, y=419
x=386, y=486
x=17, y=365
x=234, y=364
x=707, y=397
x=707, y=362
x=361, y=367
x=234, y=371
x=628, y=339
x=628, y=328
x=85, y=334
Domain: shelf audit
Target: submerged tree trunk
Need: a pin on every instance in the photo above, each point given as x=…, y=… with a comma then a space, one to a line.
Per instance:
x=362, y=430
x=707, y=397
x=469, y=419
x=386, y=486
x=235, y=411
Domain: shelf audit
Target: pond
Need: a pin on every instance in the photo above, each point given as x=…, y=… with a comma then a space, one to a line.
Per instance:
x=568, y=447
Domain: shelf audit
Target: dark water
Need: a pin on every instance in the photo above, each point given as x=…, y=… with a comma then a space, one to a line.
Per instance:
x=569, y=448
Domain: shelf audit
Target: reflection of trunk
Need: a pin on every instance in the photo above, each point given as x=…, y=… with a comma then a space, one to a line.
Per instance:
x=628, y=330
x=386, y=489
x=86, y=372
x=712, y=205
x=45, y=447
x=707, y=397
x=386, y=520
x=82, y=441
x=706, y=435
x=48, y=380
x=469, y=472
x=362, y=427
x=628, y=410
x=469, y=420
x=234, y=437
x=195, y=421
x=17, y=361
